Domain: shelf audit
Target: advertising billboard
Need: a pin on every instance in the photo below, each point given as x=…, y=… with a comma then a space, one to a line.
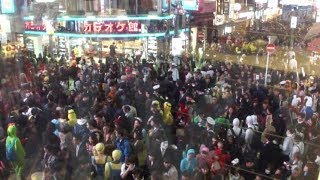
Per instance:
x=7, y=6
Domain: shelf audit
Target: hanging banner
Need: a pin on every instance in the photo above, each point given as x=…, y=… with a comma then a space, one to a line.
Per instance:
x=7, y=6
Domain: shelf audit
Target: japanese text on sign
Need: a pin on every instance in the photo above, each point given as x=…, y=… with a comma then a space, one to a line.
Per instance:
x=111, y=27
x=29, y=25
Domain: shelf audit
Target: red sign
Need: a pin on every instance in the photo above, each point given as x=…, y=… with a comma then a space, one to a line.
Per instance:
x=29, y=25
x=271, y=48
x=111, y=27
x=200, y=36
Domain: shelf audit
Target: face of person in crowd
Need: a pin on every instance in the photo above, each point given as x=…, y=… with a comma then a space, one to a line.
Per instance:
x=91, y=140
x=167, y=165
x=205, y=170
x=214, y=100
x=89, y=126
x=118, y=134
x=98, y=119
x=191, y=155
x=136, y=124
x=75, y=141
x=152, y=124
x=220, y=145
x=151, y=158
x=106, y=129
x=295, y=172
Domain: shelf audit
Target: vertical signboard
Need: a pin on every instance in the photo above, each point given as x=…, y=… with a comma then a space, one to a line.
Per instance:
x=219, y=6
x=226, y=7
x=7, y=6
x=293, y=23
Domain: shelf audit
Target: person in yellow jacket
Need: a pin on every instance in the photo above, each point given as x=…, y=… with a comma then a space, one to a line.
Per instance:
x=167, y=115
x=18, y=151
x=113, y=169
x=72, y=118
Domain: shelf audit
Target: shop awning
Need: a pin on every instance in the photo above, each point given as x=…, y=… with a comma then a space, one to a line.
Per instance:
x=313, y=32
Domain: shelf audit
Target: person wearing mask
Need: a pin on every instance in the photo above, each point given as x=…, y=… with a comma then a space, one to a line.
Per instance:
x=113, y=169
x=14, y=143
x=170, y=171
x=189, y=163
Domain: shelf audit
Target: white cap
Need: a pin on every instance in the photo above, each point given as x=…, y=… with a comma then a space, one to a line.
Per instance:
x=156, y=87
x=282, y=82
x=211, y=121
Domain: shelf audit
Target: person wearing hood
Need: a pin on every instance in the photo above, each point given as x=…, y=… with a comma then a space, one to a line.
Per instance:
x=249, y=132
x=204, y=157
x=113, y=169
x=189, y=163
x=13, y=140
x=236, y=131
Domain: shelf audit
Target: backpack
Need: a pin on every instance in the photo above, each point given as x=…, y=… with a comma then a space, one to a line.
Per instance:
x=237, y=138
x=10, y=152
x=256, y=143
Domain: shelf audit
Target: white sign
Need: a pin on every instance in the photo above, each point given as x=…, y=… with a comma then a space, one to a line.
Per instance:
x=297, y=2
x=219, y=19
x=177, y=46
x=261, y=1
x=293, y=23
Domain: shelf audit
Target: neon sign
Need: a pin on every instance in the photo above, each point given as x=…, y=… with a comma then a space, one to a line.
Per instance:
x=118, y=27
x=29, y=25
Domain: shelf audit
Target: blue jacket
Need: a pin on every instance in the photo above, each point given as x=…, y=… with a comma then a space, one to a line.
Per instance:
x=125, y=148
x=187, y=164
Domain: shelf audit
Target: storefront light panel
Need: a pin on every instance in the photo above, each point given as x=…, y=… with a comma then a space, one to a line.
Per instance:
x=104, y=35
x=116, y=18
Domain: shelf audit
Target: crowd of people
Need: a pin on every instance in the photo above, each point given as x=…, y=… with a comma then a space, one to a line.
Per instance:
x=112, y=120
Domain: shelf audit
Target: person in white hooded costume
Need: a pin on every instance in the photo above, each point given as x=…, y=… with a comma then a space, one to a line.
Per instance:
x=238, y=132
x=249, y=132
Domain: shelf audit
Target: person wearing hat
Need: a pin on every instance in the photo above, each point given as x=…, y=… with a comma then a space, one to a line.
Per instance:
x=98, y=160
x=112, y=169
x=175, y=71
x=189, y=163
x=209, y=124
x=203, y=156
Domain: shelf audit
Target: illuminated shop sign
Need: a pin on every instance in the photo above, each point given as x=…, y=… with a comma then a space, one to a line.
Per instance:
x=89, y=27
x=112, y=27
x=7, y=6
x=30, y=26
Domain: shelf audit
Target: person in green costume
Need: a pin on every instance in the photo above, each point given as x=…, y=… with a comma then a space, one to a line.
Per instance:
x=18, y=164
